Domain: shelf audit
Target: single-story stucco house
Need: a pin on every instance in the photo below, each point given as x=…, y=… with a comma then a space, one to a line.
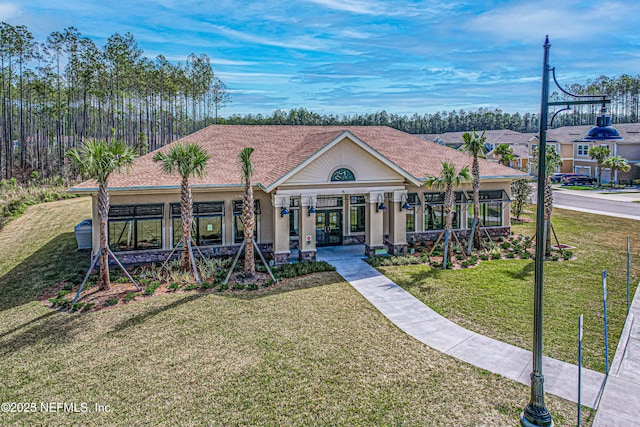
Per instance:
x=340, y=186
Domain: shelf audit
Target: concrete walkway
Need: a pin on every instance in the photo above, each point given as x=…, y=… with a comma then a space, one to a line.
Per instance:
x=427, y=326
x=620, y=402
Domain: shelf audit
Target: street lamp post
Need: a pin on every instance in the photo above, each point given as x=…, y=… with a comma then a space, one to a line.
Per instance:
x=536, y=413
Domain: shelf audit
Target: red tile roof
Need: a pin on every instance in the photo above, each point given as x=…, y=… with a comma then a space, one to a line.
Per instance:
x=279, y=149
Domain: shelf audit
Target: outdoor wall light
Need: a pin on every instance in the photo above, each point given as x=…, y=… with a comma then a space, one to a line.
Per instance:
x=284, y=210
x=406, y=204
x=380, y=206
x=312, y=209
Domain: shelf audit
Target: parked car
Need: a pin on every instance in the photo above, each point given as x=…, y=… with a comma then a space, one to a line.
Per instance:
x=559, y=177
x=579, y=180
x=556, y=177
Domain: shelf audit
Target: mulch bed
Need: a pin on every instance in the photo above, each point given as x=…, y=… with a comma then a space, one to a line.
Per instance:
x=97, y=299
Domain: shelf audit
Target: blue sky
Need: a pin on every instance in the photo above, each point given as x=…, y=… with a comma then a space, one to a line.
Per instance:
x=359, y=56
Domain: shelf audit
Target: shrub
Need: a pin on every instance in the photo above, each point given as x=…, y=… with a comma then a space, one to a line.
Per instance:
x=238, y=286
x=484, y=257
x=206, y=285
x=61, y=293
x=129, y=297
x=173, y=287
x=252, y=286
x=77, y=306
x=151, y=288
x=192, y=286
x=57, y=302
x=567, y=254
x=110, y=302
x=268, y=283
x=505, y=245
x=511, y=255
x=88, y=306
x=222, y=287
x=301, y=268
x=496, y=254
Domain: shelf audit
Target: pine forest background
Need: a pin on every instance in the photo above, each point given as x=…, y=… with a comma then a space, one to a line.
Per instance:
x=62, y=90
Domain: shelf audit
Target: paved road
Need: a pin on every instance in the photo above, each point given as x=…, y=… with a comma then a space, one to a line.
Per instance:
x=619, y=204
x=607, y=206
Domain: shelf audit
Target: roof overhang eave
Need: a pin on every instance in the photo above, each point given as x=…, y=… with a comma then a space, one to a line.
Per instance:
x=138, y=188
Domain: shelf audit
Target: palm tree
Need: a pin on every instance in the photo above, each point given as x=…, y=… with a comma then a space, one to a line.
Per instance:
x=244, y=159
x=505, y=151
x=475, y=145
x=448, y=179
x=552, y=162
x=188, y=160
x=599, y=154
x=616, y=163
x=99, y=159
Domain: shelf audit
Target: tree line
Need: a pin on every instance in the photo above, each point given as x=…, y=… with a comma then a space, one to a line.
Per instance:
x=65, y=89
x=623, y=91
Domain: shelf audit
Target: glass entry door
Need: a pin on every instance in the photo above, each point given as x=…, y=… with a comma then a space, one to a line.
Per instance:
x=329, y=228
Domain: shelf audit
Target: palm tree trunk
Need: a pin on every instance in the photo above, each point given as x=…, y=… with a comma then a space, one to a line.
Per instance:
x=186, y=212
x=477, y=239
x=448, y=212
x=103, y=211
x=249, y=225
x=599, y=174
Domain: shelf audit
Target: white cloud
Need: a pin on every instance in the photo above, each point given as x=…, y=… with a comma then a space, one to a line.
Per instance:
x=531, y=21
x=9, y=11
x=364, y=7
x=301, y=43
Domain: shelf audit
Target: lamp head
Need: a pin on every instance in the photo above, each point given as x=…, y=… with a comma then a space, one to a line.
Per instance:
x=284, y=210
x=380, y=206
x=603, y=131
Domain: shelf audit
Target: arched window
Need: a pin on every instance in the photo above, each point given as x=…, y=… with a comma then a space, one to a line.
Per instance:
x=343, y=174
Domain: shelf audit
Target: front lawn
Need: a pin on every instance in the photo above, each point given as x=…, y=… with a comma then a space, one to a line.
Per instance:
x=311, y=353
x=496, y=297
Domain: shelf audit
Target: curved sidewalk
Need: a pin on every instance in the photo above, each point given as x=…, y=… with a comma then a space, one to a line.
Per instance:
x=427, y=326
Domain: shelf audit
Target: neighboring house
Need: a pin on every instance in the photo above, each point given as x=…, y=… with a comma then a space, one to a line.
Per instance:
x=575, y=153
x=518, y=141
x=332, y=181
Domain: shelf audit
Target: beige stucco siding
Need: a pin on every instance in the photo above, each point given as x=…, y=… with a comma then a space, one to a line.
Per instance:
x=345, y=154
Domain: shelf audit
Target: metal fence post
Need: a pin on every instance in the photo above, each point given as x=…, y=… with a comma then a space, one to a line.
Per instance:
x=606, y=326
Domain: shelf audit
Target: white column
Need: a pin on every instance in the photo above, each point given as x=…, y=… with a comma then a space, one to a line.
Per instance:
x=374, y=223
x=307, y=243
x=281, y=244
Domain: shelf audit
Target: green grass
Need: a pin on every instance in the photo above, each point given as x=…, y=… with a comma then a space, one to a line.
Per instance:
x=312, y=352
x=576, y=187
x=496, y=297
